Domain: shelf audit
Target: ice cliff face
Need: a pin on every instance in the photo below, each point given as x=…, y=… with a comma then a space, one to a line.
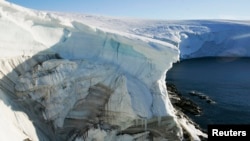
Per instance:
x=219, y=38
x=98, y=76
x=80, y=77
x=194, y=38
x=204, y=38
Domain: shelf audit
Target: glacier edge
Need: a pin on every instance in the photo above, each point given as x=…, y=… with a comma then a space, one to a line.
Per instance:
x=106, y=73
x=118, y=66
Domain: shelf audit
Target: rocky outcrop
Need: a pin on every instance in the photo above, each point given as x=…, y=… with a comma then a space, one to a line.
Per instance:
x=182, y=103
x=202, y=97
x=183, y=106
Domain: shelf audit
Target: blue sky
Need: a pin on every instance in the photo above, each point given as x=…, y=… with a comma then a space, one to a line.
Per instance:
x=149, y=9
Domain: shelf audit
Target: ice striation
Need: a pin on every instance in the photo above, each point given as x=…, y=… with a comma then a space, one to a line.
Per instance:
x=81, y=77
x=194, y=38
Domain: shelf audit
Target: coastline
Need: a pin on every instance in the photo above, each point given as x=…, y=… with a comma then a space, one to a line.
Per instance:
x=183, y=106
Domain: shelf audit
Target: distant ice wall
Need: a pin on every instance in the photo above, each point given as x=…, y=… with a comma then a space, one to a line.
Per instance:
x=194, y=38
x=223, y=38
x=132, y=59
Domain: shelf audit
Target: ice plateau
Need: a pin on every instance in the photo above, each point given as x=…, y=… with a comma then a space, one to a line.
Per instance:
x=82, y=77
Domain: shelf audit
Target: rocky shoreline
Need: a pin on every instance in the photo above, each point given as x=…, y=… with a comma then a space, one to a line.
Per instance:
x=183, y=106
x=182, y=103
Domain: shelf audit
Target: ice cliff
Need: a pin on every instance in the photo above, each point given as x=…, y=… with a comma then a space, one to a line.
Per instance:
x=194, y=38
x=80, y=77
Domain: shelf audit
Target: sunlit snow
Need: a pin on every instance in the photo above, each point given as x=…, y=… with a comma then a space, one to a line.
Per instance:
x=64, y=72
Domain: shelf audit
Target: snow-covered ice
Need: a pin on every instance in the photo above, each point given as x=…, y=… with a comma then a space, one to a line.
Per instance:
x=92, y=74
x=194, y=38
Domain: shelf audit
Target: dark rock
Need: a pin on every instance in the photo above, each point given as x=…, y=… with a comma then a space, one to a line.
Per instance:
x=182, y=103
x=189, y=106
x=202, y=96
x=210, y=101
x=185, y=105
x=196, y=93
x=193, y=93
x=172, y=88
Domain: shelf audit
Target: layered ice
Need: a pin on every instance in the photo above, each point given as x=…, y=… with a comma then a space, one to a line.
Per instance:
x=194, y=38
x=94, y=74
x=82, y=77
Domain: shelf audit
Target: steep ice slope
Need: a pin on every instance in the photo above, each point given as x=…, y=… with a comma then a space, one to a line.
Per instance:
x=195, y=38
x=88, y=70
x=91, y=74
x=223, y=38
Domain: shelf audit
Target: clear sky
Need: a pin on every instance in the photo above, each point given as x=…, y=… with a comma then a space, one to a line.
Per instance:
x=149, y=9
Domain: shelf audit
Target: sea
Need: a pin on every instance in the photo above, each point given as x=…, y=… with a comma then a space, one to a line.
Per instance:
x=225, y=80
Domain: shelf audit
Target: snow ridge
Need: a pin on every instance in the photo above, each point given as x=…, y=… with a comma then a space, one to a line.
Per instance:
x=194, y=38
x=63, y=62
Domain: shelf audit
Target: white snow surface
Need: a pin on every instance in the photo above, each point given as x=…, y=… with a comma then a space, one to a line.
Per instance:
x=129, y=56
x=194, y=38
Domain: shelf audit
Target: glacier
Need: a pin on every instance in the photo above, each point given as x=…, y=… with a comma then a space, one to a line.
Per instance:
x=193, y=38
x=81, y=77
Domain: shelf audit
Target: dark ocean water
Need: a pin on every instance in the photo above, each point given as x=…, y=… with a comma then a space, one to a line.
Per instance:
x=225, y=80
